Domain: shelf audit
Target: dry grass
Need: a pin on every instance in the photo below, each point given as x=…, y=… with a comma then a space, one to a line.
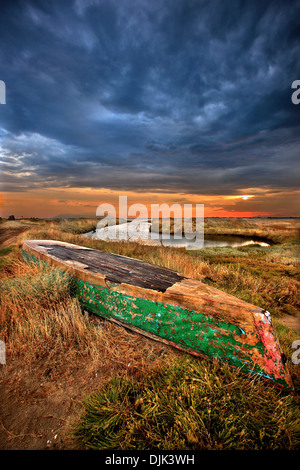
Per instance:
x=40, y=317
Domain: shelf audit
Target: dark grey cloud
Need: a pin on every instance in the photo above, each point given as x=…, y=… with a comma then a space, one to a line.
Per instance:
x=181, y=95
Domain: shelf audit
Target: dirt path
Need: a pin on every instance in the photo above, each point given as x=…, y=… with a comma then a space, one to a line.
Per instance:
x=9, y=235
x=35, y=410
x=292, y=322
x=38, y=406
x=40, y=400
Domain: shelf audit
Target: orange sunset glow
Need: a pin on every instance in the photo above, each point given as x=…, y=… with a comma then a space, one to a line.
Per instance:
x=80, y=202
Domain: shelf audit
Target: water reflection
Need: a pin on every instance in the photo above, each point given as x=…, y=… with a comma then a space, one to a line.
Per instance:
x=211, y=241
x=142, y=231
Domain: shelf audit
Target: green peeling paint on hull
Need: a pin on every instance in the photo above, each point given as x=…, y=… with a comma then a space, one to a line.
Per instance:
x=191, y=331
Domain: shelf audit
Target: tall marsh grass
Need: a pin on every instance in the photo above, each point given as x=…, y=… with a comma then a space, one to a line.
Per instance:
x=36, y=309
x=41, y=318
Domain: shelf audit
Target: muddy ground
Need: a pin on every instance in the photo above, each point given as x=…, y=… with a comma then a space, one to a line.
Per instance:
x=40, y=402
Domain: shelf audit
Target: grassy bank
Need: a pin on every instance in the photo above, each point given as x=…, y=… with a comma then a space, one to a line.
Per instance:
x=193, y=405
x=149, y=396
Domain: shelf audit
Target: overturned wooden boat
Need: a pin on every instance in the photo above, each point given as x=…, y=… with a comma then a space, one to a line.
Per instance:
x=169, y=307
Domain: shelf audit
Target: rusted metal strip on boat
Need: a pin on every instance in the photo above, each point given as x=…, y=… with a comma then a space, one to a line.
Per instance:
x=167, y=307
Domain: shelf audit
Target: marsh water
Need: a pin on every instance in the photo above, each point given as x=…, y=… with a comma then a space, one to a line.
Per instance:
x=190, y=241
x=211, y=241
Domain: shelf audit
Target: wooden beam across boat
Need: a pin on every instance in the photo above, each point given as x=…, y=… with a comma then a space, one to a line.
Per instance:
x=168, y=307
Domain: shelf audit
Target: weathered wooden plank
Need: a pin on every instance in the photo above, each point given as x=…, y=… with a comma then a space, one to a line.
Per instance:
x=117, y=268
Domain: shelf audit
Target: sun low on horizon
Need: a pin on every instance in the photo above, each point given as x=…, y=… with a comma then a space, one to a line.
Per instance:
x=165, y=102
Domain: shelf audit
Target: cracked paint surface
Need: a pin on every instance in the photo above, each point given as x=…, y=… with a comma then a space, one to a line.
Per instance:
x=191, y=331
x=194, y=332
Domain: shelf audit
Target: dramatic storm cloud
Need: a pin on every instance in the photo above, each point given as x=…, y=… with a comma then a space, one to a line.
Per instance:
x=173, y=96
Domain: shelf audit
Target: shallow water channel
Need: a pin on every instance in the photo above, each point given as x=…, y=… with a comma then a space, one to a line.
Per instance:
x=191, y=241
x=211, y=241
